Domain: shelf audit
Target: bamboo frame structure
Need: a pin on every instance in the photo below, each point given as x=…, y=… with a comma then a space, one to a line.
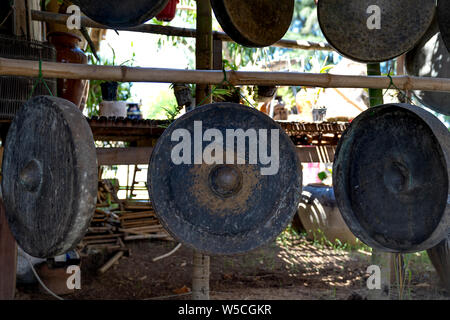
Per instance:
x=172, y=31
x=14, y=67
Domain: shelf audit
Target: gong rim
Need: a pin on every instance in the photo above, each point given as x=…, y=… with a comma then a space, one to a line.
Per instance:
x=249, y=33
x=121, y=13
x=341, y=36
x=40, y=230
x=430, y=58
x=212, y=237
x=443, y=10
x=343, y=169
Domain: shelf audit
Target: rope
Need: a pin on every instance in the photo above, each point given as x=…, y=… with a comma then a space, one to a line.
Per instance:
x=402, y=92
x=40, y=80
x=223, y=83
x=167, y=254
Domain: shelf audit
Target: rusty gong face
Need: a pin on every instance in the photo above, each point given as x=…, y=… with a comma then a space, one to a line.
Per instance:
x=374, y=30
x=224, y=179
x=121, y=13
x=50, y=177
x=254, y=23
x=391, y=178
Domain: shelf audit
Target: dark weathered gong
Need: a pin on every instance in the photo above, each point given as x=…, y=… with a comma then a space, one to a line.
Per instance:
x=374, y=30
x=431, y=59
x=390, y=177
x=121, y=13
x=49, y=180
x=220, y=207
x=443, y=14
x=254, y=23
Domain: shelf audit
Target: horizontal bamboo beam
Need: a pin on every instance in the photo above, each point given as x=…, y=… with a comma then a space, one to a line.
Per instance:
x=172, y=31
x=141, y=155
x=14, y=67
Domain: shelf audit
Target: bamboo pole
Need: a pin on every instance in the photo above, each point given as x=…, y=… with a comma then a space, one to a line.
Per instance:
x=375, y=95
x=173, y=31
x=204, y=61
x=26, y=68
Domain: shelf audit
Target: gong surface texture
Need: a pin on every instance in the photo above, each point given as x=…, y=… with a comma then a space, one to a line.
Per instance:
x=121, y=13
x=349, y=26
x=391, y=178
x=443, y=13
x=254, y=23
x=222, y=209
x=49, y=176
x=431, y=59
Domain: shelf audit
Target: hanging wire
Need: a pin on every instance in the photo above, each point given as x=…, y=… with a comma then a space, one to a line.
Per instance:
x=40, y=281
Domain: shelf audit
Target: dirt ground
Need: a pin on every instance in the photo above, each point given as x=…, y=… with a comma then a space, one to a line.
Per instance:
x=290, y=268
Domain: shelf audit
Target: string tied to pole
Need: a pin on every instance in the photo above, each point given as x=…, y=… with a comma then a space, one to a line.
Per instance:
x=226, y=82
x=39, y=80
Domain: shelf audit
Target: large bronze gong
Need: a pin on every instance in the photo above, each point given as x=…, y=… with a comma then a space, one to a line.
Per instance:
x=49, y=180
x=227, y=201
x=254, y=23
x=391, y=176
x=431, y=59
x=374, y=30
x=121, y=13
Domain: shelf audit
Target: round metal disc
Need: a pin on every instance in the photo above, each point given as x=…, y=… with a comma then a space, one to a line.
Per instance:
x=49, y=176
x=254, y=23
x=443, y=14
x=221, y=208
x=121, y=13
x=391, y=178
x=431, y=59
x=374, y=30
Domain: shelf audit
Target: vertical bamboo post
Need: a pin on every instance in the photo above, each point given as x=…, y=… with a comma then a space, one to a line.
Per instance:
x=20, y=18
x=8, y=253
x=375, y=95
x=204, y=54
x=204, y=47
x=8, y=246
x=381, y=259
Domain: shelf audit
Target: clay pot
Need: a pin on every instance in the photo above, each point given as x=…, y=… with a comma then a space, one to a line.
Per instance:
x=320, y=215
x=66, y=45
x=168, y=13
x=109, y=90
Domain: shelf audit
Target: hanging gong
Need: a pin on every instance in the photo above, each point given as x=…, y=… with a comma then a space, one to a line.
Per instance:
x=212, y=184
x=49, y=176
x=390, y=177
x=431, y=59
x=374, y=30
x=254, y=23
x=443, y=14
x=121, y=13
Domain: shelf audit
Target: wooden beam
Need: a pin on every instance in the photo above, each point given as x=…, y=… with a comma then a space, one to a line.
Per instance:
x=203, y=49
x=141, y=155
x=20, y=18
x=174, y=31
x=123, y=156
x=15, y=67
x=8, y=258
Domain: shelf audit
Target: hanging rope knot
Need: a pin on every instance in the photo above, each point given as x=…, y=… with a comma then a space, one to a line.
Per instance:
x=226, y=83
x=40, y=79
x=403, y=96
